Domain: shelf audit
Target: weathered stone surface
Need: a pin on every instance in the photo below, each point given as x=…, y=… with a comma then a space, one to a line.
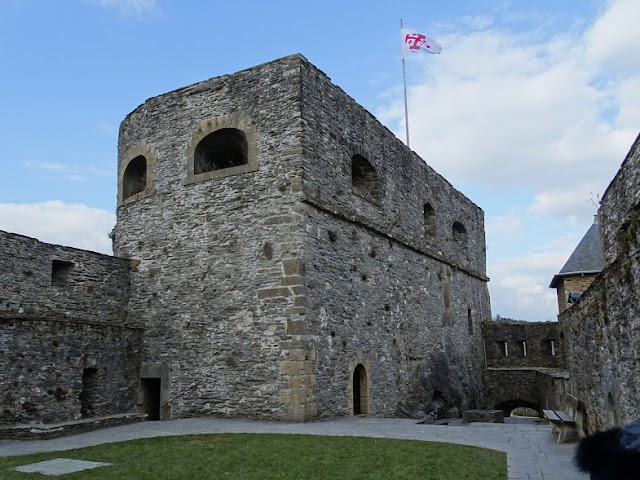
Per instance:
x=246, y=261
x=602, y=330
x=66, y=350
x=528, y=344
x=332, y=273
x=29, y=285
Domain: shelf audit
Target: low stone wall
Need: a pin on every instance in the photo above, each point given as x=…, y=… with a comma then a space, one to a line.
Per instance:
x=537, y=388
x=54, y=371
x=52, y=281
x=512, y=344
x=73, y=427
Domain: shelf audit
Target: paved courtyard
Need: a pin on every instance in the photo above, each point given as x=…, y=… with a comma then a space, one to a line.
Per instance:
x=531, y=449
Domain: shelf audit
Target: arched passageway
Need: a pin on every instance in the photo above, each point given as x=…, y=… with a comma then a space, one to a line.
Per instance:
x=510, y=405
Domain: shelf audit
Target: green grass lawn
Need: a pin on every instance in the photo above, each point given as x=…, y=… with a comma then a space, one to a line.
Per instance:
x=255, y=456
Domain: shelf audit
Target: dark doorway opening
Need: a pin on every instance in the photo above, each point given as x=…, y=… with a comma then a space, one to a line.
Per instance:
x=151, y=395
x=88, y=394
x=359, y=390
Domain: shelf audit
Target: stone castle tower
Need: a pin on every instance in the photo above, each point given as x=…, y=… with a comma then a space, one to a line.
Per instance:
x=294, y=260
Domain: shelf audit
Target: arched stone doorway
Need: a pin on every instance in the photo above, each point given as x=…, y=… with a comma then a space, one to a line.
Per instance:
x=359, y=393
x=360, y=407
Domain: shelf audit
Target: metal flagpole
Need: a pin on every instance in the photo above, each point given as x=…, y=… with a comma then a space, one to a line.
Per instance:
x=404, y=81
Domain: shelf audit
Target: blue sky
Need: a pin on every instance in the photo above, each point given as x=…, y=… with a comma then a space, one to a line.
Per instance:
x=529, y=110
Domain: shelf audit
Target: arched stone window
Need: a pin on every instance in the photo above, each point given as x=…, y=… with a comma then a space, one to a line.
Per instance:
x=429, y=220
x=224, y=148
x=220, y=147
x=364, y=179
x=135, y=177
x=459, y=233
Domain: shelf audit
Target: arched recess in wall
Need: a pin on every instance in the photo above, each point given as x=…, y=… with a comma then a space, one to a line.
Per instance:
x=224, y=148
x=220, y=147
x=136, y=177
x=365, y=181
x=612, y=414
x=360, y=386
x=459, y=234
x=429, y=221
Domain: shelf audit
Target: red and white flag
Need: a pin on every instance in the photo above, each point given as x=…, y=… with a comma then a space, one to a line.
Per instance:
x=413, y=41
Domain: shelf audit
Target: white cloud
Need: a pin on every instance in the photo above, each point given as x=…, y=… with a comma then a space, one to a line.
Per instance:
x=510, y=226
x=74, y=177
x=520, y=286
x=70, y=224
x=548, y=115
x=105, y=127
x=574, y=203
x=613, y=39
x=46, y=166
x=70, y=173
x=137, y=7
x=501, y=109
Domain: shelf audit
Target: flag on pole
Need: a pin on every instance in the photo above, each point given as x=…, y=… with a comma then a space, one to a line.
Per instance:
x=413, y=41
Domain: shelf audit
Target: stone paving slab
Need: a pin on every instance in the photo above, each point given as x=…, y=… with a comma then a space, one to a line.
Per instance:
x=60, y=466
x=532, y=452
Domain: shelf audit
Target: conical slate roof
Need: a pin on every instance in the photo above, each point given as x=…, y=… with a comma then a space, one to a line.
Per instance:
x=586, y=258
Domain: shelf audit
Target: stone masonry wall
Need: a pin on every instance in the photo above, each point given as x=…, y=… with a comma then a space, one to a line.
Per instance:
x=382, y=291
x=374, y=301
x=604, y=325
x=89, y=286
x=64, y=341
x=54, y=371
x=619, y=201
x=537, y=388
x=536, y=336
x=218, y=287
x=336, y=128
x=605, y=350
x=603, y=355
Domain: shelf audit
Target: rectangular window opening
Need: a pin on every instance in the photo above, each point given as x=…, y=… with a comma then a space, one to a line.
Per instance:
x=504, y=348
x=550, y=347
x=60, y=272
x=523, y=345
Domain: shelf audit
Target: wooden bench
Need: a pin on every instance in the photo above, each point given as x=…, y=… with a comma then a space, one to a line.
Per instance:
x=563, y=422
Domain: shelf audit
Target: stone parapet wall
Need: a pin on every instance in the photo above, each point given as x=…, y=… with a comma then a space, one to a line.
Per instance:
x=534, y=338
x=46, y=280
